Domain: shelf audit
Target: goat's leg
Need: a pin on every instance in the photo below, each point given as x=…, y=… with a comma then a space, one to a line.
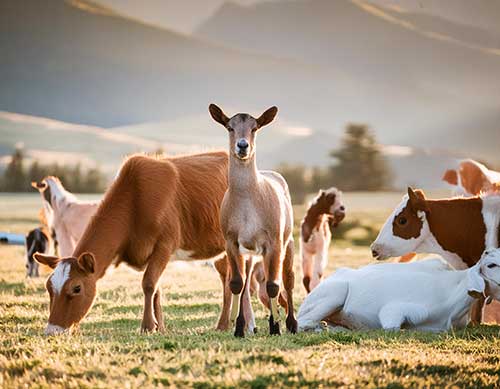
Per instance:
x=156, y=265
x=222, y=267
x=273, y=268
x=237, y=265
x=288, y=284
x=245, y=303
x=307, y=268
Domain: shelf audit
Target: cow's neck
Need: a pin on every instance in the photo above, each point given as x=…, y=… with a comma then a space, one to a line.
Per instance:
x=457, y=230
x=243, y=176
x=105, y=235
x=313, y=215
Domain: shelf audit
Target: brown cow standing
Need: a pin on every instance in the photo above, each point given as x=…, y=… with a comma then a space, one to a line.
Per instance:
x=155, y=210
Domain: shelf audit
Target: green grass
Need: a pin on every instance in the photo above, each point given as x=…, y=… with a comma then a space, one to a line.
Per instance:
x=109, y=351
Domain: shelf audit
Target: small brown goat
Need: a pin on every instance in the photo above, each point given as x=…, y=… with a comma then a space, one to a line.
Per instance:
x=256, y=220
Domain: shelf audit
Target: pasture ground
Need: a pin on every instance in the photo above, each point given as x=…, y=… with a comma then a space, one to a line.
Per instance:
x=109, y=351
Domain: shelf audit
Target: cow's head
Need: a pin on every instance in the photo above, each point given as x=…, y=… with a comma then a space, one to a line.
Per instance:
x=405, y=229
x=71, y=288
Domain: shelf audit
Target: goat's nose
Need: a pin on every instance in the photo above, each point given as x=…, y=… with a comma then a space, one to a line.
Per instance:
x=374, y=253
x=242, y=144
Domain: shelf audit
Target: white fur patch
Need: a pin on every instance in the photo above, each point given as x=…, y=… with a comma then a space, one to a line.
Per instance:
x=53, y=329
x=491, y=218
x=60, y=276
x=182, y=255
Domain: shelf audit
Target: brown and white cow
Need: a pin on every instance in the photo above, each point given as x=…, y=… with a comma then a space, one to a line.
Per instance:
x=472, y=178
x=155, y=210
x=66, y=215
x=325, y=212
x=458, y=229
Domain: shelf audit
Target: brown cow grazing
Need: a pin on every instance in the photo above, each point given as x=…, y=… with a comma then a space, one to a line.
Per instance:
x=458, y=229
x=155, y=210
x=325, y=212
x=472, y=178
x=256, y=220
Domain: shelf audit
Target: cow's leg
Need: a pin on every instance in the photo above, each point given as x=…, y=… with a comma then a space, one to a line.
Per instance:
x=307, y=268
x=222, y=267
x=288, y=284
x=476, y=313
x=160, y=324
x=156, y=265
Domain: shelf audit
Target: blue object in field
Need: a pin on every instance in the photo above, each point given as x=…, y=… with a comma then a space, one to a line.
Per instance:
x=12, y=239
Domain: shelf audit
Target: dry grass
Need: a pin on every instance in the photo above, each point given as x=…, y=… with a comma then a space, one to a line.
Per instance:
x=109, y=351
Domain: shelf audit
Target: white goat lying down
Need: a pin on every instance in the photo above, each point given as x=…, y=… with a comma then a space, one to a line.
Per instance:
x=426, y=295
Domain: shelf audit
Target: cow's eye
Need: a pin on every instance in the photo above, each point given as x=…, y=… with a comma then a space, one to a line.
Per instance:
x=77, y=289
x=492, y=265
x=402, y=221
x=230, y=129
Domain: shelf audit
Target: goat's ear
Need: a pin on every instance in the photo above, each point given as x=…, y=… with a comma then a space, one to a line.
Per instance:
x=218, y=115
x=417, y=200
x=47, y=260
x=39, y=185
x=267, y=117
x=476, y=284
x=451, y=177
x=86, y=262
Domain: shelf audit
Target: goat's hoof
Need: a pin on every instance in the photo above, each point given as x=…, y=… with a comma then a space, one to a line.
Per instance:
x=291, y=325
x=255, y=330
x=239, y=332
x=274, y=327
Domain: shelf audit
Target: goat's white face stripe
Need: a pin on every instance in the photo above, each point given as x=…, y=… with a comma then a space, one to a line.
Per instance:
x=60, y=276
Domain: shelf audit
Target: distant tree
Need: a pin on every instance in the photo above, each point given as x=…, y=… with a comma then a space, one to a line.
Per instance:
x=320, y=179
x=360, y=164
x=95, y=181
x=77, y=179
x=14, y=179
x=295, y=176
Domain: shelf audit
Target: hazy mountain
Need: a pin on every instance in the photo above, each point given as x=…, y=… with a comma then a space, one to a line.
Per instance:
x=416, y=73
x=79, y=62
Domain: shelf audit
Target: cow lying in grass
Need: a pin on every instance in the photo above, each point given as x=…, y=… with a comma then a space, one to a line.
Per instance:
x=426, y=295
x=457, y=229
x=155, y=210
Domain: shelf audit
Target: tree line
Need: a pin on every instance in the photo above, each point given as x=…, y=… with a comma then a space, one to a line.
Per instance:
x=18, y=176
x=357, y=165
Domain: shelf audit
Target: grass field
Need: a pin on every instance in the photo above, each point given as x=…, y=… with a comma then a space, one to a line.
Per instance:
x=109, y=351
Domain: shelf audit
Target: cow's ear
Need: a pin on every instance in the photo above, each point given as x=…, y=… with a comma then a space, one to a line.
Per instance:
x=476, y=285
x=39, y=185
x=47, y=260
x=451, y=177
x=417, y=200
x=86, y=262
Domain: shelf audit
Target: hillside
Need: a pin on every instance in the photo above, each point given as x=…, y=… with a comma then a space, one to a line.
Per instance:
x=77, y=62
x=418, y=75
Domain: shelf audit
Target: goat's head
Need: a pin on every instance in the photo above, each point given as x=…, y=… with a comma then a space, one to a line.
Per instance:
x=484, y=277
x=71, y=288
x=405, y=229
x=242, y=130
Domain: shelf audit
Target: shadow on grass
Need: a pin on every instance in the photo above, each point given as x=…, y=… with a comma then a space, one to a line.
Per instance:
x=20, y=288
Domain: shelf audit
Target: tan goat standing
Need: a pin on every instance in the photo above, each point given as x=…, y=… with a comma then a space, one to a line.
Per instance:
x=256, y=220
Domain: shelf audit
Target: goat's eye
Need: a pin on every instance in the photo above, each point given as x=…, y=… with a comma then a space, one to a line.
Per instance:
x=402, y=221
x=77, y=289
x=491, y=265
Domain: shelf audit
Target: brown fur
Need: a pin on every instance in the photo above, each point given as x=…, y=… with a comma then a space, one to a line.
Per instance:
x=475, y=178
x=152, y=209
